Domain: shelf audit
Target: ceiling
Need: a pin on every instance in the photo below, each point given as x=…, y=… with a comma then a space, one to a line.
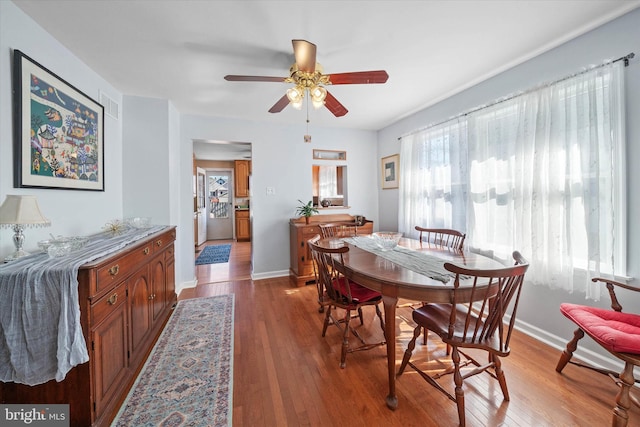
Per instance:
x=181, y=49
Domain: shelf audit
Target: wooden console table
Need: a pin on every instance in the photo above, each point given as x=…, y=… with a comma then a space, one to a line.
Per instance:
x=125, y=299
x=301, y=268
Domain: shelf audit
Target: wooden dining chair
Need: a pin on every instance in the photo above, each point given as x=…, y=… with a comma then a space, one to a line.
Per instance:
x=338, y=230
x=478, y=325
x=342, y=293
x=443, y=237
x=618, y=333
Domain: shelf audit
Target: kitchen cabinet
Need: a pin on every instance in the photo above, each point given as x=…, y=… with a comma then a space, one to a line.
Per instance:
x=301, y=263
x=243, y=225
x=242, y=171
x=125, y=299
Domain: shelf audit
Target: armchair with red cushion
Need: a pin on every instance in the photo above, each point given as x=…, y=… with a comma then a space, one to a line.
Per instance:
x=617, y=332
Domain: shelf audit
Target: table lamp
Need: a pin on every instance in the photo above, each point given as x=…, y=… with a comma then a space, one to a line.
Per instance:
x=20, y=212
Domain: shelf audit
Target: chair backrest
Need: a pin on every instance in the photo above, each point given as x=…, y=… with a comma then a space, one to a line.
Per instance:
x=495, y=294
x=326, y=260
x=443, y=237
x=338, y=230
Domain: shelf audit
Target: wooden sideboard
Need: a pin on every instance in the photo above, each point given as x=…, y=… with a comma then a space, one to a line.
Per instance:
x=125, y=300
x=301, y=270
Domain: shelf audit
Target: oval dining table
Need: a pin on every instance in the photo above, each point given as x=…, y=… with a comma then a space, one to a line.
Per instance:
x=394, y=281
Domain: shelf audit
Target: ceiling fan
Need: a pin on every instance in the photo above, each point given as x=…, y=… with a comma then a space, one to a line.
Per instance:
x=308, y=77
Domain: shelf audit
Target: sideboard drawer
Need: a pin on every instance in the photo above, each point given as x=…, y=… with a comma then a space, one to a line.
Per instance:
x=108, y=303
x=117, y=270
x=161, y=242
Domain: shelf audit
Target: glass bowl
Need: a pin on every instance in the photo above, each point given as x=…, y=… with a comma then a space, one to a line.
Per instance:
x=387, y=240
x=44, y=244
x=58, y=249
x=138, y=222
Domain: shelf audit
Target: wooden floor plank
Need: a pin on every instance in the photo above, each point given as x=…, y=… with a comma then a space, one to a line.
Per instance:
x=286, y=373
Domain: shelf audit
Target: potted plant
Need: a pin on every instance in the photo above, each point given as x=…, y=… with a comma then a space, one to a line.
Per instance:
x=306, y=210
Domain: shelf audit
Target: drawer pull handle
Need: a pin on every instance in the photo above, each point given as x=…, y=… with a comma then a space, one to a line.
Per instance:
x=159, y=243
x=112, y=299
x=113, y=271
x=152, y=296
x=146, y=250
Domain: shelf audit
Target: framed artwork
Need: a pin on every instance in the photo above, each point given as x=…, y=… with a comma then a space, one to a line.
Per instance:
x=390, y=171
x=58, y=131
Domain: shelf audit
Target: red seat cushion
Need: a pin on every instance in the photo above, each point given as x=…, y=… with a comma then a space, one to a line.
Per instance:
x=615, y=331
x=358, y=292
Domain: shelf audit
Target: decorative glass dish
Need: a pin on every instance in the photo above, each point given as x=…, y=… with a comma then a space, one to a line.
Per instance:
x=58, y=249
x=138, y=222
x=61, y=243
x=387, y=240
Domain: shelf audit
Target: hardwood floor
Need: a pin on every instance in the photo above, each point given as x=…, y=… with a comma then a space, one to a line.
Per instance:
x=287, y=374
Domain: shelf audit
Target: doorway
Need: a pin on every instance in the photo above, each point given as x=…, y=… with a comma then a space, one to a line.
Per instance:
x=219, y=204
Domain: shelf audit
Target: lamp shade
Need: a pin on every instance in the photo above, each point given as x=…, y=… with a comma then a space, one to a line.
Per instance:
x=23, y=210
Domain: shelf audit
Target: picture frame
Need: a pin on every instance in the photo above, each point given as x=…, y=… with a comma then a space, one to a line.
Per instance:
x=58, y=131
x=390, y=171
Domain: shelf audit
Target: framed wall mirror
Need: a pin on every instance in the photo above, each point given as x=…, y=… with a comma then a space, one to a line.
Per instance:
x=329, y=186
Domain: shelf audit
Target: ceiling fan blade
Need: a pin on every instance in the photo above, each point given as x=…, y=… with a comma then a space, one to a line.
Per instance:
x=234, y=78
x=334, y=106
x=279, y=106
x=360, y=77
x=305, y=53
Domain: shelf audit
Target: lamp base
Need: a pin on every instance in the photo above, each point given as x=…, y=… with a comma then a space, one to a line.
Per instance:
x=16, y=255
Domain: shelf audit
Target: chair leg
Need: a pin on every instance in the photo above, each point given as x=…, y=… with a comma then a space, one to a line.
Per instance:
x=409, y=350
x=327, y=319
x=567, y=354
x=497, y=364
x=623, y=400
x=345, y=340
x=457, y=378
x=360, y=316
x=320, y=288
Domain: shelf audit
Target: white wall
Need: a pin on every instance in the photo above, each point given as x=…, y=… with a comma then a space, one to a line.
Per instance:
x=71, y=212
x=145, y=160
x=280, y=159
x=540, y=307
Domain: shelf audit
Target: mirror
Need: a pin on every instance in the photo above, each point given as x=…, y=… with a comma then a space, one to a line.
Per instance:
x=329, y=185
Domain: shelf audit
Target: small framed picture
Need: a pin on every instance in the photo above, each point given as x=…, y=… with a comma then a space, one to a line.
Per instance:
x=390, y=171
x=59, y=131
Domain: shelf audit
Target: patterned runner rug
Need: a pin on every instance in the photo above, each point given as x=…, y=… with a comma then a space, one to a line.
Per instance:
x=188, y=378
x=214, y=254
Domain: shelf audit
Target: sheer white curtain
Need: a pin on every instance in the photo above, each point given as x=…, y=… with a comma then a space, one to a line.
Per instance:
x=433, y=190
x=543, y=173
x=328, y=178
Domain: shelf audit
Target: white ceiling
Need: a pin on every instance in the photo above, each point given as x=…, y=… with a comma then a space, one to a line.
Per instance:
x=181, y=49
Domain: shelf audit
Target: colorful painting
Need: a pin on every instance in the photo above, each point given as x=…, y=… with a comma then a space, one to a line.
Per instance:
x=59, y=131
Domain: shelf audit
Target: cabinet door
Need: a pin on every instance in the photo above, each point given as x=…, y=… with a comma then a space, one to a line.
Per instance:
x=139, y=312
x=241, y=175
x=109, y=355
x=158, y=286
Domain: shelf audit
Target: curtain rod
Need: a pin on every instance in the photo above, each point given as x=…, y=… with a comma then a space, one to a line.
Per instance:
x=625, y=58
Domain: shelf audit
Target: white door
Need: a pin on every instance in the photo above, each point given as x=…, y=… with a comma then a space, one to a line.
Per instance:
x=219, y=204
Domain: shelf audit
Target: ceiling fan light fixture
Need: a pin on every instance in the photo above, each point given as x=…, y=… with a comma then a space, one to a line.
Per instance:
x=297, y=104
x=318, y=93
x=317, y=104
x=295, y=95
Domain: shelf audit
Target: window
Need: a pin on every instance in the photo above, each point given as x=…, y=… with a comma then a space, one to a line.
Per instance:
x=542, y=172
